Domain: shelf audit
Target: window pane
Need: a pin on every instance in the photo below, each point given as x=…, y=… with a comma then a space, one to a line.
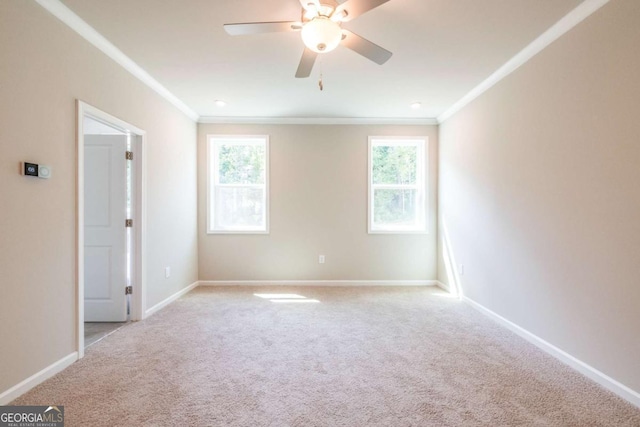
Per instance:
x=241, y=164
x=239, y=208
x=394, y=164
x=394, y=207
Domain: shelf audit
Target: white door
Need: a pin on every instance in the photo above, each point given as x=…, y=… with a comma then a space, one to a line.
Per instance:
x=105, y=242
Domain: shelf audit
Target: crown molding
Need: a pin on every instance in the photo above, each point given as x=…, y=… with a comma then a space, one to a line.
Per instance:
x=73, y=21
x=566, y=23
x=318, y=120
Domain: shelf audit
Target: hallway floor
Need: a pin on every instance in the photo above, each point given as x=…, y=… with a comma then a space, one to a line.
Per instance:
x=95, y=331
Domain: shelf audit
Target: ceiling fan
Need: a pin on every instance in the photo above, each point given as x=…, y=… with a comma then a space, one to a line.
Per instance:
x=321, y=30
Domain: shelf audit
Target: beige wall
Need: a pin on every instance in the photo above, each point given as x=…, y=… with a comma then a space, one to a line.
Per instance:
x=540, y=195
x=318, y=180
x=44, y=67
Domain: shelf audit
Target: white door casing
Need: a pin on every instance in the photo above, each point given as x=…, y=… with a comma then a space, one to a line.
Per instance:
x=105, y=243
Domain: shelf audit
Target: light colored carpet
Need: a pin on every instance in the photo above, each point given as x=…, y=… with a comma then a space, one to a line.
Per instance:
x=360, y=357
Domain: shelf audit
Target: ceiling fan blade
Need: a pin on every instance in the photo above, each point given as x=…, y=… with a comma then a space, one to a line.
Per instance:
x=354, y=8
x=306, y=63
x=248, y=28
x=365, y=48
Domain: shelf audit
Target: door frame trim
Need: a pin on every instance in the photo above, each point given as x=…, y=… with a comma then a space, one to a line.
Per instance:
x=138, y=298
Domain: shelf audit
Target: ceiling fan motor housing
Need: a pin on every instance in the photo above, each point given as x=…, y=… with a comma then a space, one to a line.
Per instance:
x=313, y=10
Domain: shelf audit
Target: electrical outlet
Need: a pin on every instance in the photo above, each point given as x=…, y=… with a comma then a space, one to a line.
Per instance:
x=320, y=259
x=167, y=272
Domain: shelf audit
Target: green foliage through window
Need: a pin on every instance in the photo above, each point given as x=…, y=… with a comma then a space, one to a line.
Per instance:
x=397, y=189
x=240, y=207
x=241, y=164
x=397, y=207
x=238, y=190
x=394, y=164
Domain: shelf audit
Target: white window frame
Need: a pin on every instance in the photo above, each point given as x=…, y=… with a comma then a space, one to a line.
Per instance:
x=212, y=177
x=422, y=155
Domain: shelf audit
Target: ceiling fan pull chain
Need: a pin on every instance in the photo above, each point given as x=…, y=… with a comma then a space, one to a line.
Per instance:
x=320, y=84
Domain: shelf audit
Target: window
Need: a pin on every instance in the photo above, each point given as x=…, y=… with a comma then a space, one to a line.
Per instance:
x=397, y=177
x=238, y=184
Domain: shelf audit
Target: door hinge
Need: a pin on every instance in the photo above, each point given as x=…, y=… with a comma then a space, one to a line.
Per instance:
x=129, y=155
x=128, y=223
x=128, y=290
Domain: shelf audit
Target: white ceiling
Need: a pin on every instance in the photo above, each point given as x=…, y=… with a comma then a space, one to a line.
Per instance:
x=442, y=49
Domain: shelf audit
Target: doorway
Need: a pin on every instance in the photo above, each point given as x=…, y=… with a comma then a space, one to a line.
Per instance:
x=111, y=226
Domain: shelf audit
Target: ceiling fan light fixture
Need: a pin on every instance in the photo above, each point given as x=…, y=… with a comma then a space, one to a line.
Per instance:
x=321, y=34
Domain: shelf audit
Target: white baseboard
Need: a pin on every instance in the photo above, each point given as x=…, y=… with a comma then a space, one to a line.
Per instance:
x=318, y=283
x=167, y=301
x=26, y=385
x=607, y=382
x=443, y=286
x=19, y=389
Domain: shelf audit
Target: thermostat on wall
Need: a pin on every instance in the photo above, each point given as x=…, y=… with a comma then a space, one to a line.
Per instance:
x=34, y=169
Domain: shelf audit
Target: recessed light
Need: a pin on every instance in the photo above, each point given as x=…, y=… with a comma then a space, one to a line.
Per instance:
x=220, y=103
x=416, y=105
